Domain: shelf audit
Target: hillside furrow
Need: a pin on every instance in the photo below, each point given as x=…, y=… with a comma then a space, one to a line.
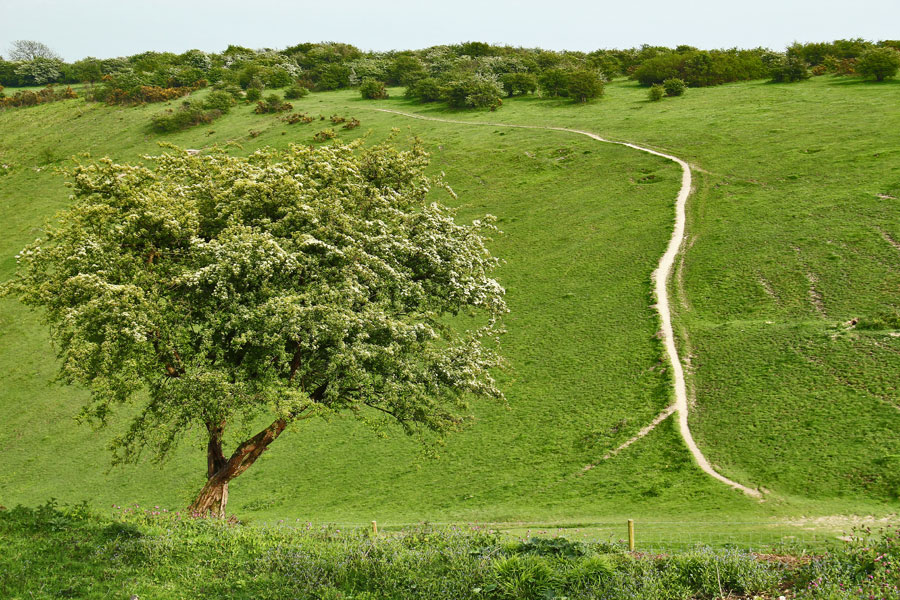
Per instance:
x=660, y=281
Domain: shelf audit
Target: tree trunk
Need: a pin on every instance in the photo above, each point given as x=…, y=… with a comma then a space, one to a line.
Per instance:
x=211, y=500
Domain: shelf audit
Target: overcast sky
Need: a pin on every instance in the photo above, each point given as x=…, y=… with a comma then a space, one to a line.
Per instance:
x=105, y=28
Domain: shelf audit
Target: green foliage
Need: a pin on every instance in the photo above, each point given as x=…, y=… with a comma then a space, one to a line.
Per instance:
x=878, y=63
x=711, y=573
x=370, y=89
x=406, y=70
x=584, y=85
x=427, y=89
x=272, y=104
x=220, y=100
x=554, y=82
x=522, y=578
x=517, y=84
x=702, y=67
x=790, y=69
x=656, y=92
x=295, y=92
x=253, y=94
x=476, y=91
x=674, y=86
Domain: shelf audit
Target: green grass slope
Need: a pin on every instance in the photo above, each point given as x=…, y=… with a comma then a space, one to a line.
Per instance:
x=788, y=240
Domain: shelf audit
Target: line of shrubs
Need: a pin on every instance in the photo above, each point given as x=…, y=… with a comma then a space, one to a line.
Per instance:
x=482, y=90
x=31, y=98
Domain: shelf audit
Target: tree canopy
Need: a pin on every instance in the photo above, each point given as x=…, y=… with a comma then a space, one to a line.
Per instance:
x=26, y=50
x=214, y=291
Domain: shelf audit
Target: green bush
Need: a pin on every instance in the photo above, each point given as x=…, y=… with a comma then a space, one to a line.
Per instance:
x=584, y=85
x=554, y=82
x=219, y=100
x=476, y=91
x=272, y=104
x=674, y=86
x=656, y=92
x=519, y=83
x=427, y=89
x=372, y=89
x=190, y=113
x=295, y=92
x=700, y=68
x=790, y=69
x=878, y=63
x=253, y=94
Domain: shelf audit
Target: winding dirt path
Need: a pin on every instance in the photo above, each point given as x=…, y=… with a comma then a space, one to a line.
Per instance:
x=660, y=279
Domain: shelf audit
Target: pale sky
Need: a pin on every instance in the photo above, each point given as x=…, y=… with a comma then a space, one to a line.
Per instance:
x=106, y=28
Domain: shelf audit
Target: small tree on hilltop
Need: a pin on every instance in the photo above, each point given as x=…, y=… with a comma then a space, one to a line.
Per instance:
x=215, y=291
x=879, y=63
x=26, y=50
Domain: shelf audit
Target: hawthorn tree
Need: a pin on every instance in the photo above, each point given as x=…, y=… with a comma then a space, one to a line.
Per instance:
x=217, y=291
x=27, y=50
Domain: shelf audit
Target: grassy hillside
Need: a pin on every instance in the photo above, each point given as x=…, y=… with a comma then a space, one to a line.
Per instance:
x=789, y=240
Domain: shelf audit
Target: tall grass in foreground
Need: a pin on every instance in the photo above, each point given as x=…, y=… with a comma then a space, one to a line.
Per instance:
x=52, y=552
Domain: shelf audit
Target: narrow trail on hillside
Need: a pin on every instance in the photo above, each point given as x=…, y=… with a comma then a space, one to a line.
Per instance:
x=660, y=279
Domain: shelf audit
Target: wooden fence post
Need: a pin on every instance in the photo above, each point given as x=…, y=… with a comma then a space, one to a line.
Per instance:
x=631, y=535
x=374, y=528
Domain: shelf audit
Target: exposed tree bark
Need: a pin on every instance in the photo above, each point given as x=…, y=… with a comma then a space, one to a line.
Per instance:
x=213, y=498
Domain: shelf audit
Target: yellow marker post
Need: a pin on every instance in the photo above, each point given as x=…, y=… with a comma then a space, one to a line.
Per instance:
x=374, y=528
x=631, y=535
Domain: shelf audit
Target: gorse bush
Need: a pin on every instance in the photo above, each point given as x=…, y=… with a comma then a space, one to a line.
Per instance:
x=272, y=104
x=30, y=98
x=325, y=135
x=656, y=92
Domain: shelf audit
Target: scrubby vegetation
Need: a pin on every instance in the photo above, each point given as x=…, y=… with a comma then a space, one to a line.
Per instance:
x=468, y=75
x=30, y=98
x=52, y=552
